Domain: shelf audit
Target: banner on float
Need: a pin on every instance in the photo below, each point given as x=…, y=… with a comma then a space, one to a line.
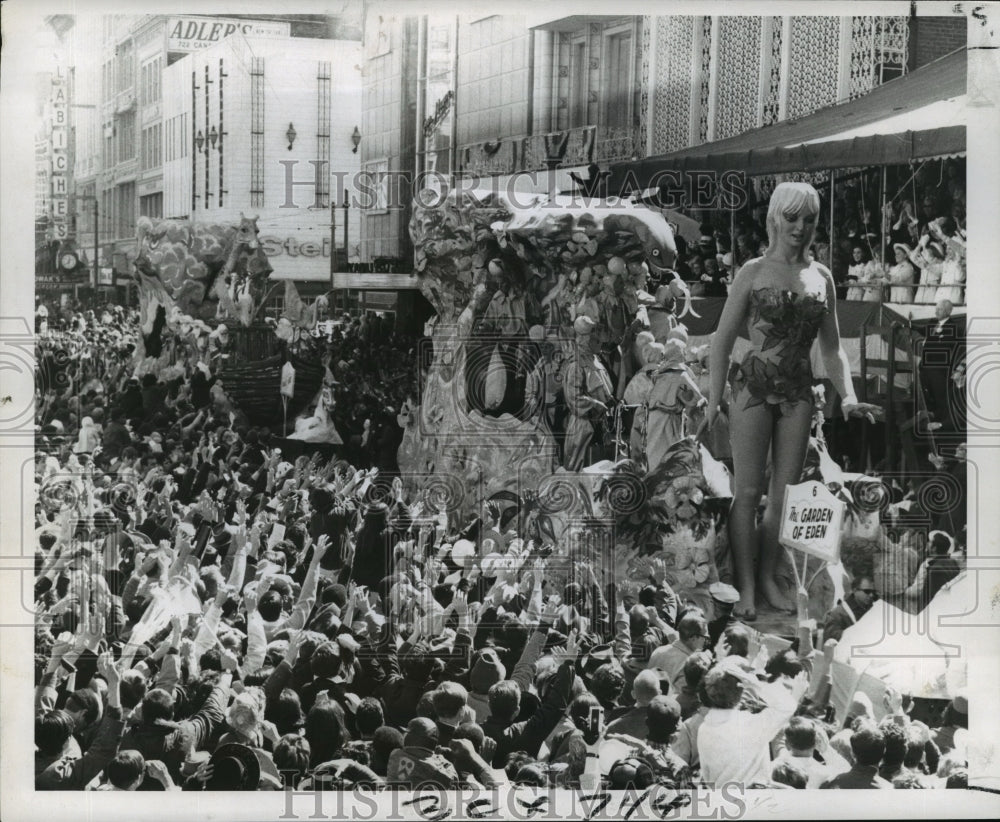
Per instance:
x=811, y=521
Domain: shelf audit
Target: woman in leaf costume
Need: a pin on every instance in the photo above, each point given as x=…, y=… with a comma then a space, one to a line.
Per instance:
x=786, y=303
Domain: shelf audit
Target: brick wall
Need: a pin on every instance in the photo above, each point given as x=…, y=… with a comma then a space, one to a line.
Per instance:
x=934, y=37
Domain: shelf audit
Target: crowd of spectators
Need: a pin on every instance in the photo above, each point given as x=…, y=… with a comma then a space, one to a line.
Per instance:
x=215, y=617
x=914, y=254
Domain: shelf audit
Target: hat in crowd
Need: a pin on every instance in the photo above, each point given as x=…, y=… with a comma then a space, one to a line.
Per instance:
x=583, y=324
x=486, y=671
x=630, y=773
x=235, y=768
x=945, y=537
x=592, y=660
x=960, y=702
x=903, y=246
x=938, y=248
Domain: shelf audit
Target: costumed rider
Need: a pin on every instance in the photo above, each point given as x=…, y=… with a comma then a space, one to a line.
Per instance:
x=589, y=394
x=220, y=346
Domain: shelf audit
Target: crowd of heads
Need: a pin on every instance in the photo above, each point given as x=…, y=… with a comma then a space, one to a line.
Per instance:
x=214, y=616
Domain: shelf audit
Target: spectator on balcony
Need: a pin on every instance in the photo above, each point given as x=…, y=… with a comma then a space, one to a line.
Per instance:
x=858, y=273
x=714, y=278
x=946, y=232
x=870, y=277
x=901, y=275
x=929, y=258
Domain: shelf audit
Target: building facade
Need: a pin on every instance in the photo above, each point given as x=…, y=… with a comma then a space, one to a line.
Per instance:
x=119, y=132
x=254, y=126
x=530, y=99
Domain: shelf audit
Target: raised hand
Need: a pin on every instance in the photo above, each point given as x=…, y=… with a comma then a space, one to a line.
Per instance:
x=92, y=627
x=204, y=772
x=107, y=668
x=489, y=748
x=550, y=611
x=893, y=701
x=320, y=549
x=360, y=600
x=250, y=599
x=229, y=661
x=158, y=771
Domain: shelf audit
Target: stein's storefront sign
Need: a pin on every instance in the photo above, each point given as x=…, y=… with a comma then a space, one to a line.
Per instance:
x=193, y=33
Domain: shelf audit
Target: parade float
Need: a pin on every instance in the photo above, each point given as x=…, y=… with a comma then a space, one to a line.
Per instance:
x=201, y=287
x=529, y=301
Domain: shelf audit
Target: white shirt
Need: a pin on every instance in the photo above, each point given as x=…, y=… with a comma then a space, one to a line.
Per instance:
x=734, y=745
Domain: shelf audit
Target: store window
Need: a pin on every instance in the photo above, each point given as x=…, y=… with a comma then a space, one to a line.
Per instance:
x=594, y=75
x=125, y=137
x=151, y=205
x=437, y=88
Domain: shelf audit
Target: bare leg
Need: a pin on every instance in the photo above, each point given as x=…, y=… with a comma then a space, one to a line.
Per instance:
x=791, y=442
x=750, y=434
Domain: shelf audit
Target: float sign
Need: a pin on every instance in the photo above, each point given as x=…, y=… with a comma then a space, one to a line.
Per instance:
x=811, y=521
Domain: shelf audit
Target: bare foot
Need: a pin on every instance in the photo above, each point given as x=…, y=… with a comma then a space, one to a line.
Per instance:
x=745, y=610
x=776, y=599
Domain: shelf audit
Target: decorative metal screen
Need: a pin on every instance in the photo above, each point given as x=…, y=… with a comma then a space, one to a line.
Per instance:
x=893, y=39
x=879, y=47
x=645, y=44
x=862, y=77
x=323, y=133
x=814, y=69
x=257, y=132
x=771, y=104
x=672, y=88
x=706, y=79
x=738, y=75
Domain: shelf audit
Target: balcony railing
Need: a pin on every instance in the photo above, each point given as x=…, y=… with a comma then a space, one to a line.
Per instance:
x=558, y=149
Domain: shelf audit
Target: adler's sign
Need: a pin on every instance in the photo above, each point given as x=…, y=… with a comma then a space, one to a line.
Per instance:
x=193, y=33
x=811, y=520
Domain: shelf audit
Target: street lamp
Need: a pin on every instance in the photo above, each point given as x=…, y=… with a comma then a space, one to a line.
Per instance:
x=356, y=140
x=213, y=135
x=199, y=141
x=291, y=135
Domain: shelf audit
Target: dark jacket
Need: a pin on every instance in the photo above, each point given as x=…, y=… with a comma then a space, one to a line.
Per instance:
x=68, y=770
x=170, y=743
x=529, y=735
x=116, y=437
x=859, y=776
